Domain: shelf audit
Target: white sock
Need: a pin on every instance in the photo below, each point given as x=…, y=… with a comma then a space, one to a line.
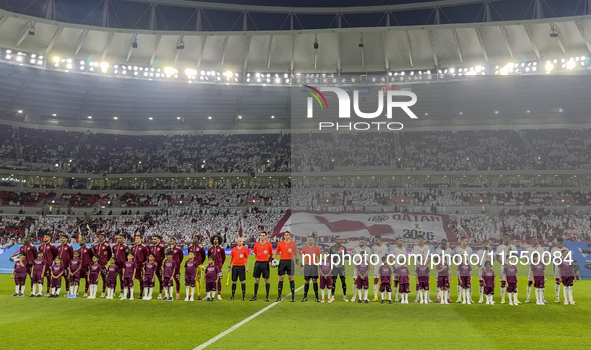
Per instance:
x=426, y=292
x=557, y=291
x=52, y=291
x=382, y=295
x=354, y=288
x=420, y=294
x=187, y=291
x=375, y=290
x=40, y=285
x=166, y=292
x=34, y=288
x=192, y=292
x=322, y=293
x=438, y=293
x=150, y=294
x=17, y=289
x=480, y=291
x=565, y=293
x=131, y=292
x=365, y=292
x=171, y=291
x=503, y=292
x=329, y=293
x=76, y=290
x=528, y=291
x=146, y=292
x=125, y=290
x=57, y=292
x=570, y=293
x=395, y=292
x=359, y=294
x=389, y=295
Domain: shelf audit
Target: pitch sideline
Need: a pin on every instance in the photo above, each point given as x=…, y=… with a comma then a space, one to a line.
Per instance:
x=237, y=325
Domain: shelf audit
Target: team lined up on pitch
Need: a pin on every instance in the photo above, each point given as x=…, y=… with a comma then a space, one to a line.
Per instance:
x=147, y=264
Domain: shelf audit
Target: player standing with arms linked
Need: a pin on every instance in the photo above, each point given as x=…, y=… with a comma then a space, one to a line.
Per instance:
x=339, y=269
x=103, y=252
x=539, y=250
x=177, y=255
x=199, y=252
x=557, y=249
x=460, y=250
x=380, y=249
x=120, y=251
x=30, y=255
x=86, y=255
x=220, y=257
x=158, y=251
x=398, y=250
x=485, y=256
x=423, y=250
x=356, y=251
x=442, y=251
x=66, y=253
x=263, y=251
x=287, y=264
x=503, y=251
x=140, y=253
x=49, y=254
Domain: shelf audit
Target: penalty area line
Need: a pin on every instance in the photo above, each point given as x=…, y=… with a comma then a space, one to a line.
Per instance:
x=237, y=325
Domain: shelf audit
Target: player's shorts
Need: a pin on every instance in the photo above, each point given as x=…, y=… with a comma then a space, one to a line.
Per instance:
x=338, y=271
x=568, y=281
x=127, y=282
x=362, y=284
x=167, y=282
x=238, y=272
x=210, y=286
x=385, y=287
x=148, y=282
x=19, y=281
x=189, y=281
x=84, y=272
x=404, y=288
x=56, y=282
x=443, y=282
x=261, y=268
x=326, y=282
x=423, y=285
x=310, y=272
x=539, y=282
x=465, y=281
x=138, y=273
x=75, y=278
x=111, y=282
x=93, y=278
x=489, y=290
x=37, y=278
x=511, y=287
x=285, y=267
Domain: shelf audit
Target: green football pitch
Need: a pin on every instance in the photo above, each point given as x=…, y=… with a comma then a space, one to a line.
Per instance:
x=42, y=323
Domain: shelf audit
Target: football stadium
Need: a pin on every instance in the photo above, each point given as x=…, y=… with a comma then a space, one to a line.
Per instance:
x=181, y=174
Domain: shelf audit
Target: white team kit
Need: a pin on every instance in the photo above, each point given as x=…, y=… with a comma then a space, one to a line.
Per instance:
x=504, y=251
x=396, y=251
x=540, y=250
x=380, y=251
x=554, y=267
x=424, y=251
x=447, y=251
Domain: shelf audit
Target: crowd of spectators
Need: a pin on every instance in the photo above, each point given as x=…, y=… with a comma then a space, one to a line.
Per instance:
x=6, y=143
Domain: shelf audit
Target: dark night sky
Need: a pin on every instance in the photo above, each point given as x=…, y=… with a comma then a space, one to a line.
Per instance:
x=129, y=14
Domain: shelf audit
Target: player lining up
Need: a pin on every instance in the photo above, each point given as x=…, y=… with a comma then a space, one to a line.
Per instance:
x=325, y=273
x=385, y=272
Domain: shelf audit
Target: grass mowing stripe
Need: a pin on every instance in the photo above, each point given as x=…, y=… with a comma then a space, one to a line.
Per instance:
x=237, y=325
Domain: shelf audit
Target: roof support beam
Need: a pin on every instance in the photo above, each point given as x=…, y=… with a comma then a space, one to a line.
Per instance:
x=532, y=40
x=554, y=29
x=245, y=65
x=57, y=34
x=224, y=47
x=315, y=51
x=130, y=47
x=338, y=54
x=201, y=52
x=81, y=38
x=385, y=46
x=107, y=44
x=153, y=57
x=432, y=40
x=482, y=46
x=293, y=39
x=507, y=40
x=458, y=44
x=25, y=32
x=269, y=52
x=409, y=46
x=3, y=20
x=105, y=14
x=362, y=52
x=583, y=35
x=178, y=44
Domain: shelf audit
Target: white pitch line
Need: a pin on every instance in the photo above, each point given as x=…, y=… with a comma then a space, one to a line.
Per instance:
x=237, y=325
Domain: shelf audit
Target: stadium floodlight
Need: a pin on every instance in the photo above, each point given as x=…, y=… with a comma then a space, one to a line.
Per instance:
x=104, y=67
x=228, y=74
x=178, y=118
x=272, y=117
x=571, y=64
x=478, y=69
x=496, y=112
x=8, y=57
x=151, y=118
x=116, y=118
x=549, y=67
x=89, y=117
x=528, y=111
x=258, y=75
x=209, y=117
x=278, y=80
x=239, y=117
x=190, y=72
x=56, y=59
x=54, y=115
x=504, y=71
x=69, y=66
x=20, y=111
